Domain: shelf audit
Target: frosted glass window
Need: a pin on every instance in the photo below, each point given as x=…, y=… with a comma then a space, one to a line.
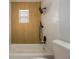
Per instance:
x=23, y=16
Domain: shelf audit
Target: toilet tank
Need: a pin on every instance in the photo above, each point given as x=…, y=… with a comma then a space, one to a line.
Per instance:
x=61, y=49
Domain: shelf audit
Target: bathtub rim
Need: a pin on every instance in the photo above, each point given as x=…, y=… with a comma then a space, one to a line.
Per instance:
x=28, y=53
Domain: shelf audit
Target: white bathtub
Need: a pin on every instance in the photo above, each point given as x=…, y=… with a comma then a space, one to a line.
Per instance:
x=27, y=51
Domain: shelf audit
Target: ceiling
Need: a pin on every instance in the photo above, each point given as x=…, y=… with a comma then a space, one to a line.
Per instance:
x=25, y=0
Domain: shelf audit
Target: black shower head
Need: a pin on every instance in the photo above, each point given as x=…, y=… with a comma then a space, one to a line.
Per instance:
x=42, y=10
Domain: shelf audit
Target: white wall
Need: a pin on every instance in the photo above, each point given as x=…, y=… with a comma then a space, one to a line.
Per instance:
x=64, y=18
x=10, y=22
x=55, y=21
x=50, y=22
x=25, y=0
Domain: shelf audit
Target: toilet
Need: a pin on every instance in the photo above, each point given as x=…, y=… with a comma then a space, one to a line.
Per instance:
x=39, y=58
x=61, y=49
